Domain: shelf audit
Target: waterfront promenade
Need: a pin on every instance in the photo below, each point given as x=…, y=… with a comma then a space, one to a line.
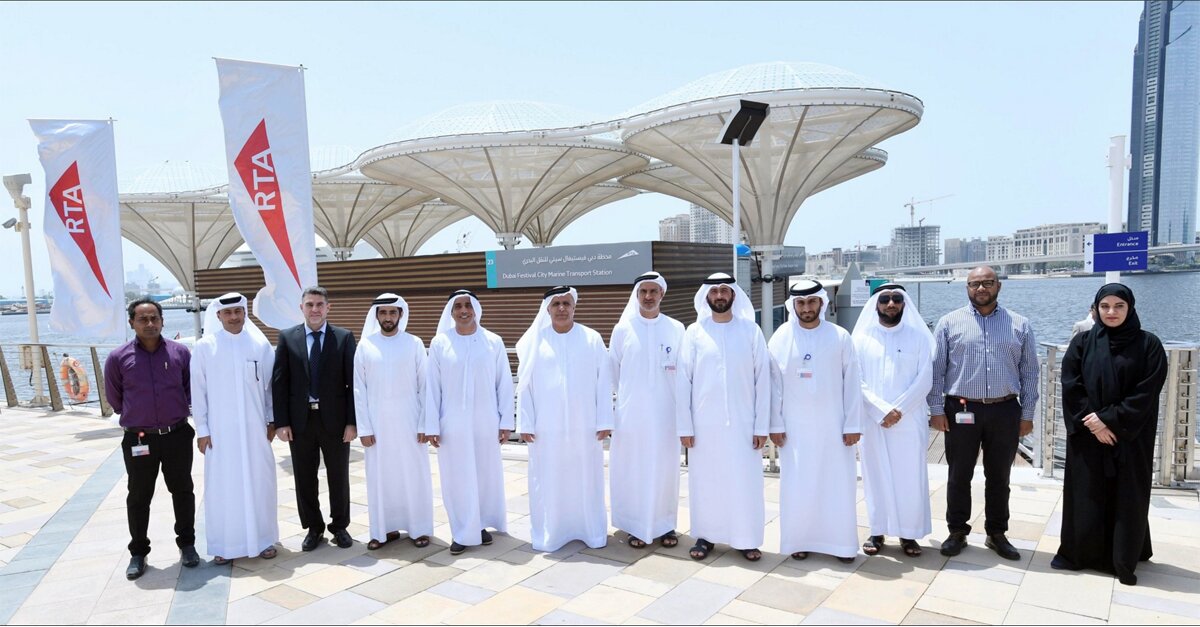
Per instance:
x=63, y=557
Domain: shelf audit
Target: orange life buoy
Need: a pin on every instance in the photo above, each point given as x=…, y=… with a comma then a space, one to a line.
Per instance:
x=77, y=385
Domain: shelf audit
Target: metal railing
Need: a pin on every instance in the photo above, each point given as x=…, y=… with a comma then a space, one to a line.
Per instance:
x=1175, y=436
x=60, y=375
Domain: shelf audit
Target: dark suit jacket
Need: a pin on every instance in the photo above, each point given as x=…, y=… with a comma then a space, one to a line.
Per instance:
x=289, y=381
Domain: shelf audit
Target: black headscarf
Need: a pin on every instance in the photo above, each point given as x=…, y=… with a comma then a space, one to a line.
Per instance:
x=1099, y=367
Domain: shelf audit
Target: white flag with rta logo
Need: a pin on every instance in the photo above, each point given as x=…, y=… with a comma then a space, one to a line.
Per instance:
x=83, y=226
x=270, y=183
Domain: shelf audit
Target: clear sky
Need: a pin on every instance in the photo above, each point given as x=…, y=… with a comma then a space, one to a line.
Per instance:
x=1020, y=98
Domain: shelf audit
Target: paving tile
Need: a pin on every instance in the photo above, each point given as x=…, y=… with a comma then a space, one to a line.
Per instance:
x=573, y=576
x=998, y=572
x=1022, y=614
x=731, y=569
x=639, y=585
x=405, y=582
x=922, y=617
x=496, y=575
x=607, y=604
x=785, y=595
x=923, y=568
x=1083, y=593
x=372, y=565
x=559, y=617
x=75, y=612
x=691, y=602
x=1125, y=615
x=476, y=555
x=960, y=611
x=890, y=600
x=252, y=611
x=343, y=607
x=244, y=583
x=465, y=593
x=423, y=608
x=142, y=615
x=518, y=605
x=666, y=569
x=828, y=616
x=760, y=614
x=1155, y=604
x=287, y=597
x=328, y=581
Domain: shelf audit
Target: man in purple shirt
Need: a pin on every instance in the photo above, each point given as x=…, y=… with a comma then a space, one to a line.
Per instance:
x=147, y=382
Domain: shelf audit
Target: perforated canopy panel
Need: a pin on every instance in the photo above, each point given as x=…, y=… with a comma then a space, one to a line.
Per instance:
x=503, y=167
x=347, y=206
x=183, y=232
x=403, y=233
x=673, y=180
x=548, y=225
x=819, y=118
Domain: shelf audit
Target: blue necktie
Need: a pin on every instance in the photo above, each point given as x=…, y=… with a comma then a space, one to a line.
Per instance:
x=314, y=367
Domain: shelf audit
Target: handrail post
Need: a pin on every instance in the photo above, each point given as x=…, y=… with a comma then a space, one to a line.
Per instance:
x=105, y=408
x=51, y=383
x=1168, y=439
x=1049, y=410
x=10, y=392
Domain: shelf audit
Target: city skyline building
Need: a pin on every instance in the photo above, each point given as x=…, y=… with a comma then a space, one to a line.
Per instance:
x=676, y=228
x=964, y=250
x=914, y=246
x=706, y=227
x=1053, y=239
x=1165, y=127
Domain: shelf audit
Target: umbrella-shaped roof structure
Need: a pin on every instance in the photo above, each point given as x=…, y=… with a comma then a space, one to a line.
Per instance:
x=504, y=162
x=546, y=227
x=346, y=204
x=672, y=180
x=184, y=230
x=820, y=117
x=403, y=233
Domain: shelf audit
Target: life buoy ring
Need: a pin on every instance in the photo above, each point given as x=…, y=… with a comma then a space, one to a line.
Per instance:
x=74, y=380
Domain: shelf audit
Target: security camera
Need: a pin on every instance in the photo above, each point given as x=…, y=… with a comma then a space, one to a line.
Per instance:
x=10, y=223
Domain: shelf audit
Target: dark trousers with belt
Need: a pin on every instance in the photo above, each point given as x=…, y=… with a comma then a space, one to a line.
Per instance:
x=308, y=446
x=173, y=453
x=996, y=430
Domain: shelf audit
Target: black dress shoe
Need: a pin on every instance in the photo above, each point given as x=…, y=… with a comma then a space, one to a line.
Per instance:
x=189, y=557
x=1000, y=544
x=343, y=539
x=954, y=544
x=137, y=567
x=312, y=541
x=485, y=537
x=456, y=548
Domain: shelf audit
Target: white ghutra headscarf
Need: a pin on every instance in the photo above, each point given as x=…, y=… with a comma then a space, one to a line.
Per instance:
x=371, y=324
x=799, y=290
x=633, y=307
x=527, y=345
x=212, y=323
x=868, y=318
x=742, y=307
x=446, y=322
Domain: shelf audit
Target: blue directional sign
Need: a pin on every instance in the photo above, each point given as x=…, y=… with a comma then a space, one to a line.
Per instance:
x=1116, y=252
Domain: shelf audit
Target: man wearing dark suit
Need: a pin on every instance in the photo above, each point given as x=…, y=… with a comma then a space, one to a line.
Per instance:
x=313, y=393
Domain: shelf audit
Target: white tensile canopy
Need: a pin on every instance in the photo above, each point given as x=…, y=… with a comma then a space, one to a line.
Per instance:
x=548, y=225
x=403, y=233
x=504, y=162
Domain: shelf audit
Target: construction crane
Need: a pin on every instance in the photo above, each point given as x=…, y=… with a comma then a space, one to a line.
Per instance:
x=912, y=210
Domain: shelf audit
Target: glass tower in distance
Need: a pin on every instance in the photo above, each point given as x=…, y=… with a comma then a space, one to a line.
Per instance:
x=1165, y=129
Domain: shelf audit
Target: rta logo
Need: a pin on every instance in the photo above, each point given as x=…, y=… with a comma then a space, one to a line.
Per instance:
x=67, y=197
x=256, y=167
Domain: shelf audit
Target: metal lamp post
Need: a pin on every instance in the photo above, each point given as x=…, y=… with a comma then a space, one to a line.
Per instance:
x=739, y=131
x=15, y=184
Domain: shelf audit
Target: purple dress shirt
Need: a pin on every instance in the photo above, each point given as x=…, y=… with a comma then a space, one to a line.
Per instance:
x=149, y=389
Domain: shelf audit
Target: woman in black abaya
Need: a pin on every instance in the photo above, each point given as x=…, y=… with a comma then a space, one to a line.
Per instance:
x=1111, y=379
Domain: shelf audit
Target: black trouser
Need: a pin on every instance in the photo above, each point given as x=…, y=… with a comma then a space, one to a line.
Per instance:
x=308, y=446
x=996, y=430
x=173, y=452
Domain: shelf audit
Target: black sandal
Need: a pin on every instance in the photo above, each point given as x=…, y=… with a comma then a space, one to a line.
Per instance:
x=669, y=539
x=911, y=548
x=700, y=551
x=873, y=545
x=421, y=542
x=485, y=537
x=800, y=555
x=636, y=543
x=751, y=555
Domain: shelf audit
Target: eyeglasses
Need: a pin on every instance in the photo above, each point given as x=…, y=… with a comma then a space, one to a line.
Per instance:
x=987, y=285
x=891, y=298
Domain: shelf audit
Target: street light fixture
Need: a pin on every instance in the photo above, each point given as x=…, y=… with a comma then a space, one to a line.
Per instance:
x=739, y=131
x=15, y=184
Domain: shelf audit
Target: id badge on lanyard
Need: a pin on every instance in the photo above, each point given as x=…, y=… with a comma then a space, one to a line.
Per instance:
x=806, y=367
x=139, y=450
x=667, y=358
x=964, y=417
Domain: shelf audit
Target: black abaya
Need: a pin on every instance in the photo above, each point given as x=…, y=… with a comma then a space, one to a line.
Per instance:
x=1106, y=489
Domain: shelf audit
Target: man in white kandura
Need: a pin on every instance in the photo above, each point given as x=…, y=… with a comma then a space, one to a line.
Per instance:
x=644, y=455
x=231, y=404
x=389, y=380
x=564, y=412
x=723, y=409
x=895, y=355
x=469, y=414
x=816, y=429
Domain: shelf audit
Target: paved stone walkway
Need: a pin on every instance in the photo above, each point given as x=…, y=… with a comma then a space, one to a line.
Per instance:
x=63, y=557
